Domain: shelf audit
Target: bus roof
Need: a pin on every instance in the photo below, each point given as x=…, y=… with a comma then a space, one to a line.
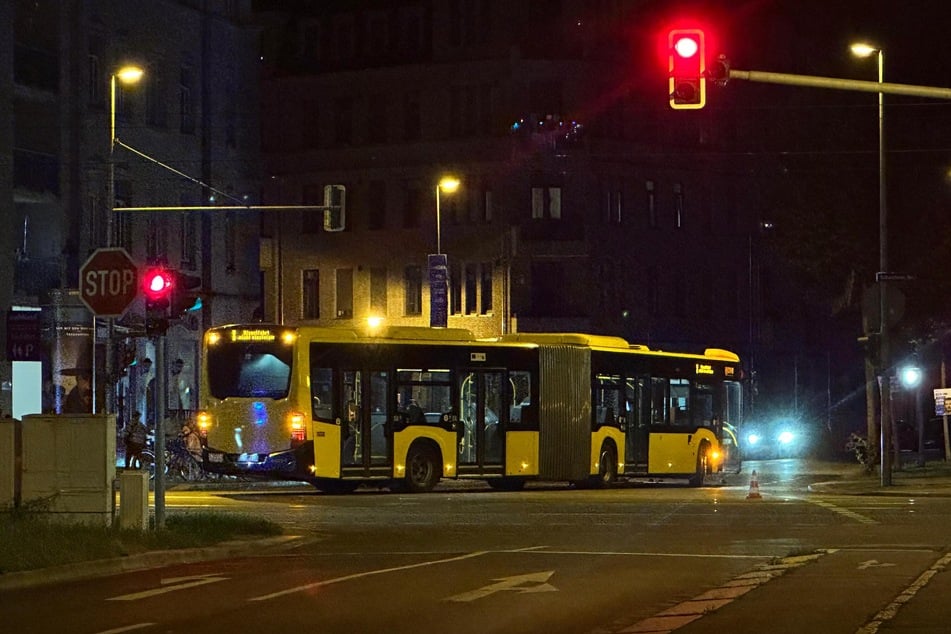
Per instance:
x=462, y=335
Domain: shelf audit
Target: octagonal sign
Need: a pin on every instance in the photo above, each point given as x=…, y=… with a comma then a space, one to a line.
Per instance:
x=108, y=282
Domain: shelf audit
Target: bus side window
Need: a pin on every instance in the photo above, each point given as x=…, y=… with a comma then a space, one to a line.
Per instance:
x=321, y=391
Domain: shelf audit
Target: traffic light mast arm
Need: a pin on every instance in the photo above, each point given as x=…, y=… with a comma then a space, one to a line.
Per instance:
x=840, y=84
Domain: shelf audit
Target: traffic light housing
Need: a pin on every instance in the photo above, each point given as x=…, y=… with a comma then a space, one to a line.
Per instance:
x=686, y=69
x=158, y=283
x=185, y=294
x=335, y=208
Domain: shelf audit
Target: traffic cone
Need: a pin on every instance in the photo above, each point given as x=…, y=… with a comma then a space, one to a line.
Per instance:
x=754, y=488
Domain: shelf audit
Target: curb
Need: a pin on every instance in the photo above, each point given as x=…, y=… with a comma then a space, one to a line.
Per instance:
x=141, y=561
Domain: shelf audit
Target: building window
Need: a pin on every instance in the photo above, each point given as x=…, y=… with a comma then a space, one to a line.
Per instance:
x=615, y=206
x=310, y=294
x=151, y=238
x=651, y=204
x=471, y=289
x=413, y=290
x=312, y=220
x=480, y=205
x=378, y=291
x=679, y=204
x=412, y=204
x=653, y=291
x=344, y=39
x=376, y=119
x=376, y=214
x=412, y=117
x=485, y=291
x=155, y=114
x=455, y=289
x=344, y=293
x=681, y=291
x=94, y=79
x=188, y=233
x=343, y=121
x=546, y=203
x=186, y=106
x=310, y=130
x=231, y=237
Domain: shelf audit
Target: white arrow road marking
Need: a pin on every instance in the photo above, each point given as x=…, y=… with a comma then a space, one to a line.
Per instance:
x=515, y=583
x=873, y=563
x=171, y=585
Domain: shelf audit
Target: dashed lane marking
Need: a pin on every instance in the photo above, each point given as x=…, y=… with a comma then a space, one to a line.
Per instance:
x=858, y=517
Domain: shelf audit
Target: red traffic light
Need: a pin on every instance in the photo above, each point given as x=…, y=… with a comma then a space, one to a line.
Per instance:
x=157, y=283
x=686, y=47
x=686, y=69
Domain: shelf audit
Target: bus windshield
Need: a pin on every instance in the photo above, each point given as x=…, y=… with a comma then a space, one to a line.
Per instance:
x=252, y=370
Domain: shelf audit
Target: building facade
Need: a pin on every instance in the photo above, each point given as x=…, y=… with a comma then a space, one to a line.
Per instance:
x=188, y=139
x=584, y=204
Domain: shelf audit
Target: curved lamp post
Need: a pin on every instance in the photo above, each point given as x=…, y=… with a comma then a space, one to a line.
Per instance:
x=126, y=75
x=448, y=184
x=862, y=49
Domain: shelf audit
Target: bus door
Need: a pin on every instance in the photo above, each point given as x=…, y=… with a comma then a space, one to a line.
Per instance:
x=637, y=424
x=482, y=412
x=365, y=442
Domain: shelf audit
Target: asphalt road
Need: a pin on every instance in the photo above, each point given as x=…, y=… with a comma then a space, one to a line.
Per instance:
x=548, y=559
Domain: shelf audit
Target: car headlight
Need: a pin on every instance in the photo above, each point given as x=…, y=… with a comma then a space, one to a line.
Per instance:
x=753, y=438
x=785, y=437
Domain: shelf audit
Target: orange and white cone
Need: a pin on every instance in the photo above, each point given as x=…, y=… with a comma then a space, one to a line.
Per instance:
x=754, y=488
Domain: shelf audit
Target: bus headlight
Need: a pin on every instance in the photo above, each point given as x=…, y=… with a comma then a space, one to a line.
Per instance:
x=298, y=430
x=203, y=421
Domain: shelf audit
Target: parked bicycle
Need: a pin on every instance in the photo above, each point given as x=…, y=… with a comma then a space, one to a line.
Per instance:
x=179, y=462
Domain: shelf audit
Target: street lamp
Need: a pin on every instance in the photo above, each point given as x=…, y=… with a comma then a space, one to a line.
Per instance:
x=126, y=75
x=862, y=49
x=448, y=184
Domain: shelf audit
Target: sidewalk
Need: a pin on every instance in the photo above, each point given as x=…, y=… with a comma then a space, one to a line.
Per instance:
x=931, y=480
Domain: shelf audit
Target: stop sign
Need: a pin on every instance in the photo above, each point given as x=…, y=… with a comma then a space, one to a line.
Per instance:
x=108, y=282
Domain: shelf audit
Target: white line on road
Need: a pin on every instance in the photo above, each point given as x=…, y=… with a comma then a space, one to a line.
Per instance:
x=171, y=585
x=368, y=573
x=127, y=628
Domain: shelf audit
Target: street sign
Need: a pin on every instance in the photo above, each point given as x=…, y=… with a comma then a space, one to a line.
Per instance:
x=108, y=282
x=24, y=335
x=438, y=290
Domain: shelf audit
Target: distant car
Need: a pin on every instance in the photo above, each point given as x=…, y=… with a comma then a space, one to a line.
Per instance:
x=776, y=438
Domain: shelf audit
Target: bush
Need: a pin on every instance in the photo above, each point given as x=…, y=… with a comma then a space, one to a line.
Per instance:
x=866, y=453
x=29, y=540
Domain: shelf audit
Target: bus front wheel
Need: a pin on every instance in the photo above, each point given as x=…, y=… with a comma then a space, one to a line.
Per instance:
x=697, y=479
x=422, y=469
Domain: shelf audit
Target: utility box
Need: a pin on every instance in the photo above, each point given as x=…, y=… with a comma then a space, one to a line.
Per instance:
x=134, y=499
x=69, y=466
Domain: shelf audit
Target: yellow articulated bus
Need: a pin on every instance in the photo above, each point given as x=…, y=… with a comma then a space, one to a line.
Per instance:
x=408, y=406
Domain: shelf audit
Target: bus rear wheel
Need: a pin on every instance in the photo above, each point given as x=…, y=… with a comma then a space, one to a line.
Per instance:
x=422, y=469
x=607, y=469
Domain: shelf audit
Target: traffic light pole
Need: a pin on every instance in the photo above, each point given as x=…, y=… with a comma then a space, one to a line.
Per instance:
x=158, y=398
x=811, y=81
x=723, y=73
